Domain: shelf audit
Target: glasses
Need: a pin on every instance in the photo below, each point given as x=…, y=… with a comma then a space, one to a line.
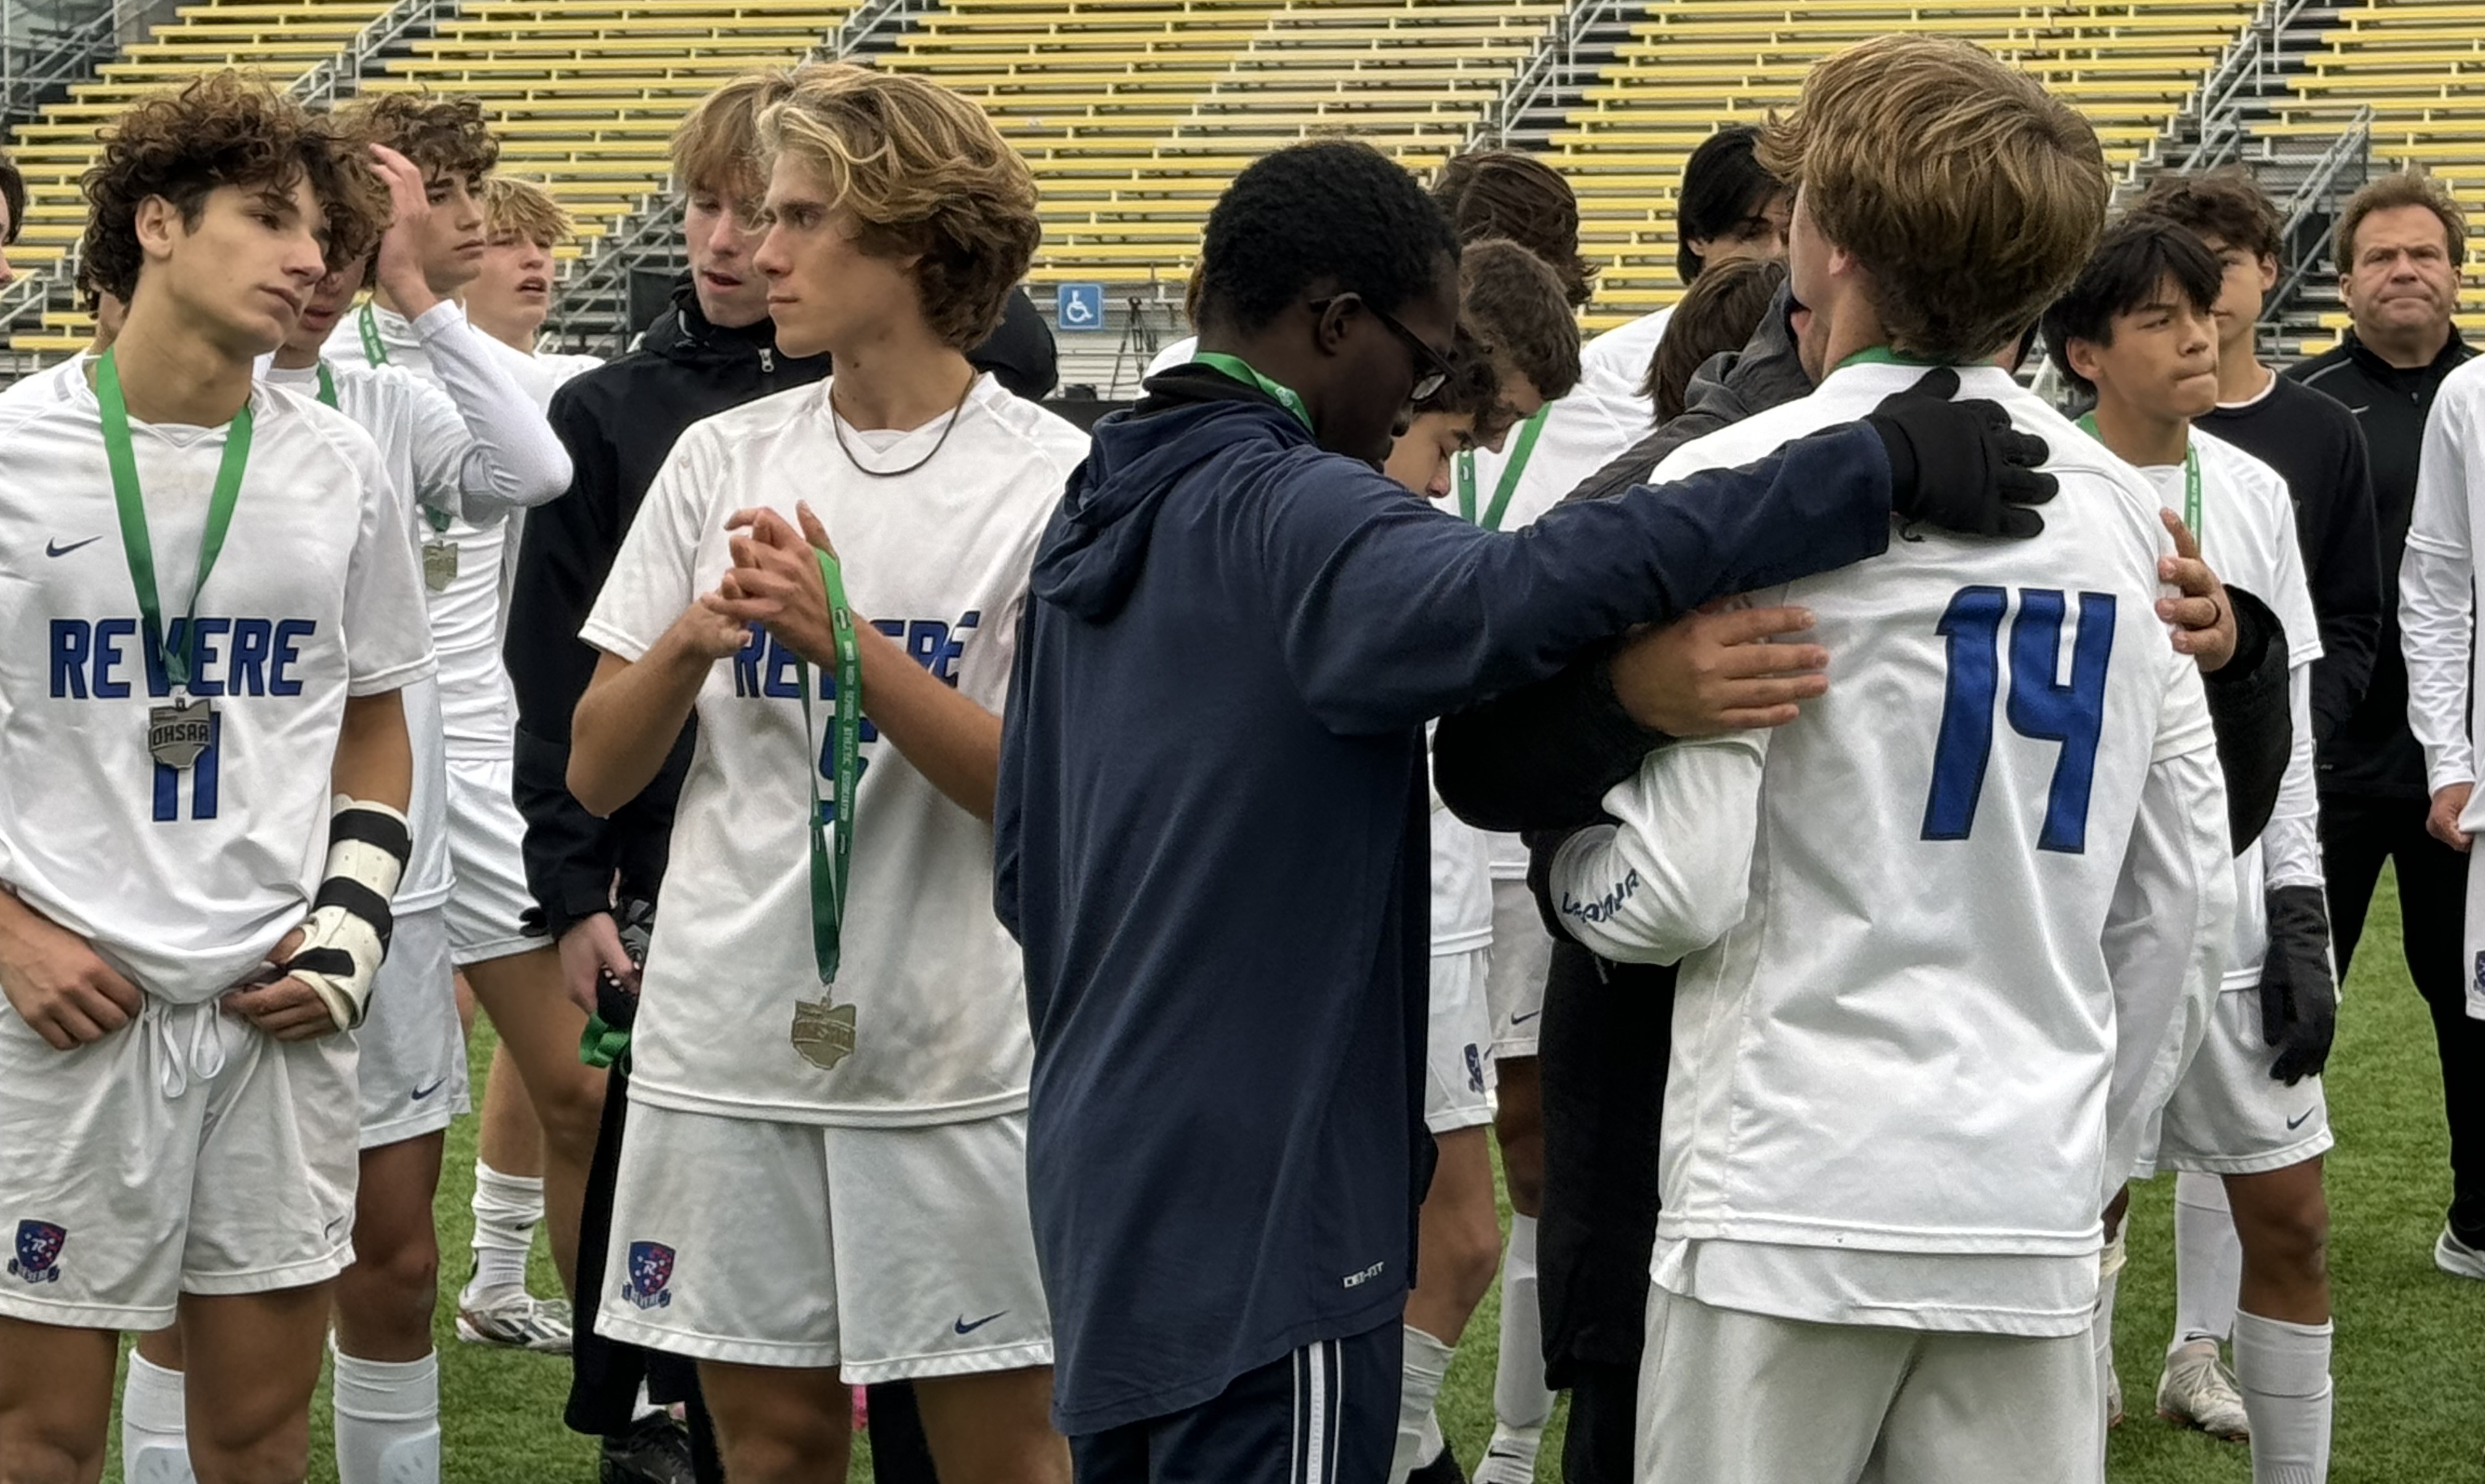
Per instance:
x=1431, y=371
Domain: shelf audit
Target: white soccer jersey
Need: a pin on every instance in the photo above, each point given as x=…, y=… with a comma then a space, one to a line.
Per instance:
x=435, y=456
x=937, y=559
x=1987, y=881
x=1616, y=362
x=1462, y=884
x=52, y=384
x=463, y=552
x=2248, y=538
x=2436, y=593
x=185, y=878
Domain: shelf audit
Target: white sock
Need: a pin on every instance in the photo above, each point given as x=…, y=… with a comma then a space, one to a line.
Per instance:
x=2101, y=1321
x=2208, y=1261
x=387, y=1420
x=1521, y=1402
x=2283, y=1371
x=155, y=1434
x=1427, y=1365
x=507, y=1210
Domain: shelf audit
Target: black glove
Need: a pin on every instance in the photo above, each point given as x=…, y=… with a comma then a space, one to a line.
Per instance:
x=2299, y=1001
x=1960, y=465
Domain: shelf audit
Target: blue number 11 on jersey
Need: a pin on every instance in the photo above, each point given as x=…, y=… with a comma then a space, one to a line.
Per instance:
x=2039, y=706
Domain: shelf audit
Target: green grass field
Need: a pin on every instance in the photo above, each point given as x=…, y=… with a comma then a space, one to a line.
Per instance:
x=2411, y=1341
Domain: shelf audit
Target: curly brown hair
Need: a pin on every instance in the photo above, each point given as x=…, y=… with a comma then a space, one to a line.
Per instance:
x=222, y=130
x=2228, y=204
x=442, y=134
x=921, y=173
x=1726, y=304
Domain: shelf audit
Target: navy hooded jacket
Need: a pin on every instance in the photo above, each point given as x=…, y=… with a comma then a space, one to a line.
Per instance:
x=1211, y=843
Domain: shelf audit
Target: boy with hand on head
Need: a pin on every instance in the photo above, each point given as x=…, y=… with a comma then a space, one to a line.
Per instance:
x=1803, y=1265
x=222, y=705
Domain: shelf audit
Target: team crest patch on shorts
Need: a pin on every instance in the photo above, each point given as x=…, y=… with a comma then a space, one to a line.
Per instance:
x=651, y=1269
x=1475, y=1069
x=39, y=1252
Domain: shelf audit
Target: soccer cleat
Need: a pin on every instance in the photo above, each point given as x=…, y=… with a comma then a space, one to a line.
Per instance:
x=2456, y=1257
x=2198, y=1391
x=2112, y=1397
x=1442, y=1470
x=516, y=1320
x=1511, y=1457
x=655, y=1449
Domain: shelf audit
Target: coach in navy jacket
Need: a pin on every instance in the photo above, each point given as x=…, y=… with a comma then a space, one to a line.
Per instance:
x=1212, y=816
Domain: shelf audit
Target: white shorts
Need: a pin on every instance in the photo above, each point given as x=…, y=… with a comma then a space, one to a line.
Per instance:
x=2228, y=1116
x=184, y=1153
x=413, y=1071
x=1729, y=1397
x=1458, y=1051
x=487, y=840
x=887, y=1252
x=1521, y=953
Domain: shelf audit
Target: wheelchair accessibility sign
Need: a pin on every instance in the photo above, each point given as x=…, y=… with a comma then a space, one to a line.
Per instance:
x=1080, y=307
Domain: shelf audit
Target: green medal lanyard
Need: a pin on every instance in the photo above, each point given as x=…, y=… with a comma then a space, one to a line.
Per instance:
x=132, y=509
x=829, y=885
x=374, y=349
x=327, y=385
x=2191, y=474
x=1241, y=371
x=1528, y=432
x=1881, y=355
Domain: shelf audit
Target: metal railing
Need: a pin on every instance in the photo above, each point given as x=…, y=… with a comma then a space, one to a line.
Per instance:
x=323, y=81
x=1550, y=69
x=2316, y=198
x=592, y=311
x=32, y=67
x=2250, y=68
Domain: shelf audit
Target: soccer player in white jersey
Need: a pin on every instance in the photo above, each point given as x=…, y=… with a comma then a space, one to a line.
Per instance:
x=203, y=704
x=2437, y=612
x=1936, y=933
x=516, y=979
x=2138, y=329
x=481, y=449
x=1519, y=346
x=511, y=298
x=823, y=1178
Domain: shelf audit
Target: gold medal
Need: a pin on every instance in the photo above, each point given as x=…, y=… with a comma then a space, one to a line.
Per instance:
x=178, y=733
x=823, y=1033
x=439, y=564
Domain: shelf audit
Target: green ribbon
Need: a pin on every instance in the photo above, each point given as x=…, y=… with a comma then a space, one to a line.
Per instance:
x=2191, y=474
x=132, y=509
x=327, y=385
x=374, y=349
x=828, y=885
x=1883, y=355
x=1464, y=463
x=1243, y=372
x=600, y=1045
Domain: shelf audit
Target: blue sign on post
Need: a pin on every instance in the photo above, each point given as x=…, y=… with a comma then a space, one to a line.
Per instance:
x=1080, y=307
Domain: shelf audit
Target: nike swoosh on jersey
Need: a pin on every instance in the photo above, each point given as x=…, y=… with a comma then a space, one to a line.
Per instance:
x=965, y=1327
x=1517, y=1019
x=54, y=548
x=420, y=1094
x=2297, y=1121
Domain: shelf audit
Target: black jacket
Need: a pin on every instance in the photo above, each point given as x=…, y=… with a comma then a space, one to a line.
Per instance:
x=2372, y=753
x=619, y=423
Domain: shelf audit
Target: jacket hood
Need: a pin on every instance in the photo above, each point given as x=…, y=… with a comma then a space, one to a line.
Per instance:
x=684, y=335
x=1767, y=371
x=1097, y=542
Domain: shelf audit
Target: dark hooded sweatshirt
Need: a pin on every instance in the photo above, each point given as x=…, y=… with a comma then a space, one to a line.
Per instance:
x=1211, y=842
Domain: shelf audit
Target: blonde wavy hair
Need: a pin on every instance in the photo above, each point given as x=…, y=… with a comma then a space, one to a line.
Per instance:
x=511, y=204
x=1970, y=194
x=920, y=173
